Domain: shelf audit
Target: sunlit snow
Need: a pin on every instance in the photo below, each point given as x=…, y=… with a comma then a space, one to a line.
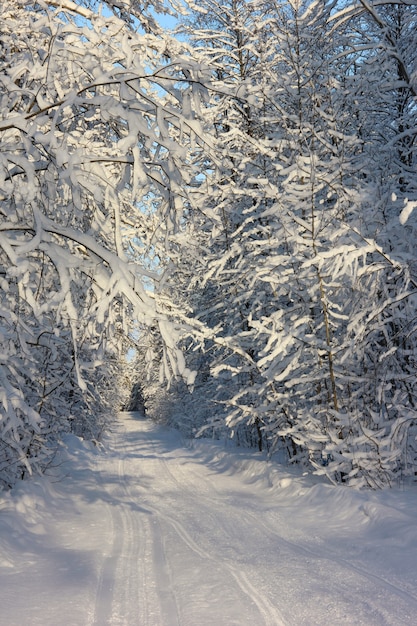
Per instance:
x=152, y=530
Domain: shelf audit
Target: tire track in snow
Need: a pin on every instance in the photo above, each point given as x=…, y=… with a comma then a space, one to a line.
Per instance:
x=279, y=540
x=135, y=585
x=160, y=570
x=204, y=507
x=130, y=588
x=113, y=599
x=302, y=550
x=104, y=593
x=165, y=591
x=270, y=613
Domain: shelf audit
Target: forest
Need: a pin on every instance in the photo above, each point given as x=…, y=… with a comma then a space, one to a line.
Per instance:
x=215, y=221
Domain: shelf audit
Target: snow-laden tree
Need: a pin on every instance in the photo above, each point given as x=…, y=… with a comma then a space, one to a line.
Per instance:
x=223, y=35
x=96, y=117
x=297, y=256
x=382, y=40
x=247, y=47
x=300, y=266
x=251, y=195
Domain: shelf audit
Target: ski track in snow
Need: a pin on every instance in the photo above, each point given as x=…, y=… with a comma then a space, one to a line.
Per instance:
x=123, y=524
x=164, y=536
x=270, y=614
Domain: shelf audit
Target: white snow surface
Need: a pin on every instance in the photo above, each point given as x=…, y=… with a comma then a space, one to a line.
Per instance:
x=152, y=530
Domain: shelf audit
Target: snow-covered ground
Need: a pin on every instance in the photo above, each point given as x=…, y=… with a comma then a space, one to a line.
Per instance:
x=153, y=531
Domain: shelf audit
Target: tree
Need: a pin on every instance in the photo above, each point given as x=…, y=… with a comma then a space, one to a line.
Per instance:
x=226, y=38
x=307, y=287
x=240, y=195
x=94, y=119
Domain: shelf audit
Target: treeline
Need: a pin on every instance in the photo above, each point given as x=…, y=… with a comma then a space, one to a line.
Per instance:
x=299, y=248
x=235, y=203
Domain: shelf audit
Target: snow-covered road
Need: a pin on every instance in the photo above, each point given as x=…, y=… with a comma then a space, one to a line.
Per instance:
x=152, y=532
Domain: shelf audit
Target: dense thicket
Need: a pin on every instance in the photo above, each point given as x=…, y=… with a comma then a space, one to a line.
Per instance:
x=237, y=202
x=308, y=264
x=96, y=123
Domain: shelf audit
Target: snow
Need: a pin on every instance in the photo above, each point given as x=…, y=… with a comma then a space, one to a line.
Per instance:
x=152, y=530
x=407, y=210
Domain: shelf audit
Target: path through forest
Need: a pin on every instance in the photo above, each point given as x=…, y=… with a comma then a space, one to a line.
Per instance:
x=152, y=531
